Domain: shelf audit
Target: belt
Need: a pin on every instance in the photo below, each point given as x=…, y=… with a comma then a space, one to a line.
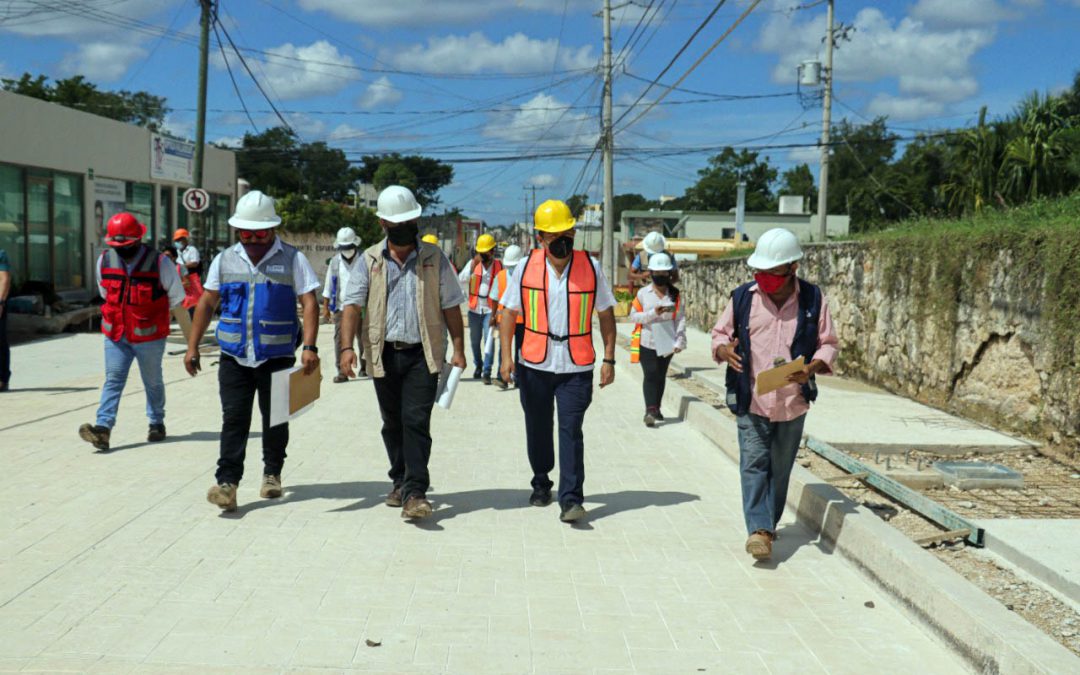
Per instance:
x=403, y=346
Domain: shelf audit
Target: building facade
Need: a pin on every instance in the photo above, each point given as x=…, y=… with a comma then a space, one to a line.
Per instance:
x=64, y=173
x=720, y=225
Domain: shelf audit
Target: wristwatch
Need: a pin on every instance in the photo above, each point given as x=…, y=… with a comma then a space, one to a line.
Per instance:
x=311, y=348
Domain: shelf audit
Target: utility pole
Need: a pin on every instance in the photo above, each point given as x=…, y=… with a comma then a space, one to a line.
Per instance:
x=607, y=244
x=207, y=7
x=826, y=122
x=534, y=188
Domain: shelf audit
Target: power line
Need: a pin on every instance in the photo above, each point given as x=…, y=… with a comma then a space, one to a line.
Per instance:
x=232, y=78
x=714, y=96
x=262, y=91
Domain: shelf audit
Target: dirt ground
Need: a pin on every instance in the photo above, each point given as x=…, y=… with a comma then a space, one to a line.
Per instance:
x=1052, y=490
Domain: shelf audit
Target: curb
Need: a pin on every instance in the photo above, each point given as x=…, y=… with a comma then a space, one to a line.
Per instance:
x=989, y=637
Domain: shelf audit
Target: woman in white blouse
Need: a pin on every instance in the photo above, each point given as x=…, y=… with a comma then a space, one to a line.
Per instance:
x=661, y=320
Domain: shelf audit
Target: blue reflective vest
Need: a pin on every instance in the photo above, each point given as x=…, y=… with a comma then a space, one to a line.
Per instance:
x=804, y=344
x=258, y=307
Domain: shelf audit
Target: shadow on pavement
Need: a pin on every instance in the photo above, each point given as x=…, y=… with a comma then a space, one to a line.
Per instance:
x=195, y=436
x=365, y=495
x=790, y=539
x=54, y=390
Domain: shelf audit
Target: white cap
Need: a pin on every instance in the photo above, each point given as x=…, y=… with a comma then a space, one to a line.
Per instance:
x=660, y=262
x=255, y=211
x=654, y=243
x=774, y=248
x=511, y=256
x=398, y=204
x=346, y=237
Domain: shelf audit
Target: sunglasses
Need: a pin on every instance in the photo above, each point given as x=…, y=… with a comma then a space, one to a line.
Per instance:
x=254, y=234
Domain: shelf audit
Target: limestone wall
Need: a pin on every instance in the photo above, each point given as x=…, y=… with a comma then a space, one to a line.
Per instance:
x=970, y=337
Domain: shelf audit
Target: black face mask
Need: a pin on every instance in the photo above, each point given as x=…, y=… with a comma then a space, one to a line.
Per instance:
x=661, y=281
x=486, y=258
x=561, y=247
x=402, y=234
x=128, y=253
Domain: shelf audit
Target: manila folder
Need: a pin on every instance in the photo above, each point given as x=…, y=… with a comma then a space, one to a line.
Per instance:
x=774, y=379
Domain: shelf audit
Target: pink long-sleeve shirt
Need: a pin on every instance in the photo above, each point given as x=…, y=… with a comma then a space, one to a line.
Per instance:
x=772, y=329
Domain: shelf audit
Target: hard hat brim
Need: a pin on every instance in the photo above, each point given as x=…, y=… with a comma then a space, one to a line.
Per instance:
x=401, y=217
x=651, y=251
x=114, y=244
x=760, y=262
x=242, y=224
x=568, y=225
x=484, y=249
x=180, y=235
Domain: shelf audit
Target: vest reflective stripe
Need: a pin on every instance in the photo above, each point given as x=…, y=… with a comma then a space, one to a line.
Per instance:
x=136, y=304
x=635, y=337
x=580, y=300
x=258, y=306
x=476, y=279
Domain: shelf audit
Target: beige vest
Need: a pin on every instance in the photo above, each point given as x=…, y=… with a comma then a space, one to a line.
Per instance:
x=428, y=301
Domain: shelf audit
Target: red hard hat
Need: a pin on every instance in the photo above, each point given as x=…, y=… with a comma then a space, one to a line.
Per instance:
x=124, y=230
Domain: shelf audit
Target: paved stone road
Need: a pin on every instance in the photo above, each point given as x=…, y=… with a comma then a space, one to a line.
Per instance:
x=116, y=563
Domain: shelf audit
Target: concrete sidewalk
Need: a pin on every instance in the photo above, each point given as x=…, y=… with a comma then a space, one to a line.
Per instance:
x=116, y=563
x=851, y=415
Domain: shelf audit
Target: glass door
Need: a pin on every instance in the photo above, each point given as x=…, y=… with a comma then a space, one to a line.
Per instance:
x=39, y=228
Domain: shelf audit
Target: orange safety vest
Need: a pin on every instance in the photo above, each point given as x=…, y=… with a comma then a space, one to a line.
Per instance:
x=474, y=284
x=580, y=299
x=503, y=277
x=635, y=337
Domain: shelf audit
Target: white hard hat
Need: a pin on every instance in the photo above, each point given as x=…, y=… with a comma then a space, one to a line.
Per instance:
x=660, y=262
x=511, y=256
x=654, y=243
x=255, y=211
x=346, y=237
x=398, y=204
x=774, y=248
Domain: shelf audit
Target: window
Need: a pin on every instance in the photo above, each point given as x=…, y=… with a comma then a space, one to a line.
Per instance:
x=67, y=244
x=12, y=217
x=164, y=220
x=140, y=203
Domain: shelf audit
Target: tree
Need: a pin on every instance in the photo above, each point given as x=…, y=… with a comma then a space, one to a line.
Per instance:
x=799, y=181
x=577, y=204
x=393, y=172
x=141, y=108
x=325, y=171
x=300, y=214
x=632, y=202
x=1038, y=156
x=270, y=161
x=858, y=167
x=429, y=175
x=717, y=189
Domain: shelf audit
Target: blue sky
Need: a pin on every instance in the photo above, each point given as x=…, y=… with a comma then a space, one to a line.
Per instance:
x=465, y=79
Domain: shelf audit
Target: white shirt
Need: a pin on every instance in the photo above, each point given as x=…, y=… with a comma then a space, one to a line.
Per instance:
x=482, y=307
x=648, y=317
x=498, y=293
x=170, y=279
x=189, y=255
x=304, y=281
x=345, y=269
x=558, y=359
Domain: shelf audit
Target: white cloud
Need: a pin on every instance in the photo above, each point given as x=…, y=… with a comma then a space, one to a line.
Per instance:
x=344, y=132
x=473, y=53
x=435, y=12
x=931, y=65
x=960, y=12
x=101, y=61
x=60, y=23
x=805, y=155
x=229, y=141
x=544, y=180
x=544, y=120
x=173, y=127
x=904, y=108
x=381, y=92
x=321, y=70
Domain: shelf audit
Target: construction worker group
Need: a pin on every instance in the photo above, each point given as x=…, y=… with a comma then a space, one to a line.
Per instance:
x=396, y=311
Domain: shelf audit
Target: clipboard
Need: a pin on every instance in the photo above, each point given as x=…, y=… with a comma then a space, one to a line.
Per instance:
x=776, y=378
x=292, y=393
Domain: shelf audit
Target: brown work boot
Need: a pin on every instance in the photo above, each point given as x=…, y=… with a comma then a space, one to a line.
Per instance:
x=339, y=378
x=95, y=435
x=394, y=498
x=416, y=506
x=271, y=486
x=222, y=495
x=759, y=545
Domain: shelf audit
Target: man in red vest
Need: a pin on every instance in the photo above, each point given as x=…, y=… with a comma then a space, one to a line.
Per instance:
x=140, y=287
x=556, y=289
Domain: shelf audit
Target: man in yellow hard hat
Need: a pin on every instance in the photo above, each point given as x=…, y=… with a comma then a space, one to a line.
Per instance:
x=556, y=289
x=476, y=277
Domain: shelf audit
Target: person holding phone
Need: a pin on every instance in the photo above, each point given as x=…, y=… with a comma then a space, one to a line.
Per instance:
x=659, y=333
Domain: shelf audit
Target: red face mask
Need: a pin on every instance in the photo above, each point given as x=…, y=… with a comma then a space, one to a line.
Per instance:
x=770, y=283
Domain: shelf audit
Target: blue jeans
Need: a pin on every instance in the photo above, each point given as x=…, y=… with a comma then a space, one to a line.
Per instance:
x=479, y=327
x=118, y=358
x=766, y=454
x=540, y=391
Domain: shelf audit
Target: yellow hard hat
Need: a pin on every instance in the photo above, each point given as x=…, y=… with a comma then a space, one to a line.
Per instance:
x=430, y=239
x=485, y=243
x=553, y=216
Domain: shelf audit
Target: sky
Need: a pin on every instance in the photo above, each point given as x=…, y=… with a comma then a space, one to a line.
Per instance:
x=519, y=81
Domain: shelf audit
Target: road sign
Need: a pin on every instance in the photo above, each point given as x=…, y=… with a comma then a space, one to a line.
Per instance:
x=196, y=200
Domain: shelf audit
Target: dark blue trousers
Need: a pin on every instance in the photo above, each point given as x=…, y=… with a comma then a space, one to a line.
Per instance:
x=540, y=391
